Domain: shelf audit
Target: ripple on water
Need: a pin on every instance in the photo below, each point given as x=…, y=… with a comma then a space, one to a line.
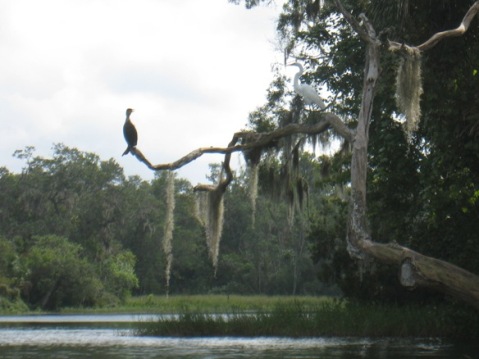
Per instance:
x=57, y=341
x=106, y=343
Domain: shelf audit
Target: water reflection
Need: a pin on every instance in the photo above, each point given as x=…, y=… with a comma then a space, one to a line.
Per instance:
x=81, y=318
x=62, y=337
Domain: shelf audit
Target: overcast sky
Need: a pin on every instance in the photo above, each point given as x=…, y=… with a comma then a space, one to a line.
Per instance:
x=192, y=70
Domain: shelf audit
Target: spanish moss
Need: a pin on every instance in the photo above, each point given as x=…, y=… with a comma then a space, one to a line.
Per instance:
x=409, y=89
x=253, y=189
x=169, y=226
x=209, y=212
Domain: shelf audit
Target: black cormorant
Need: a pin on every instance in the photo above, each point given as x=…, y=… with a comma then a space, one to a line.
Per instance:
x=129, y=131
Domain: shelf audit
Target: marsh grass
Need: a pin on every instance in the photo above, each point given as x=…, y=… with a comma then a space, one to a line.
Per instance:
x=300, y=319
x=215, y=303
x=294, y=316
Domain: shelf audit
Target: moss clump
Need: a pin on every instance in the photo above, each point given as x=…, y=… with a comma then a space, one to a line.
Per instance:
x=409, y=89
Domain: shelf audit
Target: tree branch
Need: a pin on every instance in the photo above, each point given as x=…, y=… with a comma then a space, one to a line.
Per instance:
x=253, y=140
x=223, y=182
x=418, y=270
x=434, y=39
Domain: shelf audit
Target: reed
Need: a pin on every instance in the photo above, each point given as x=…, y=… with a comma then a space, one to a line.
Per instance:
x=215, y=303
x=296, y=319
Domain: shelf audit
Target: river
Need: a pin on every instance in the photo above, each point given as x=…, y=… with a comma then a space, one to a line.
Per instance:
x=111, y=336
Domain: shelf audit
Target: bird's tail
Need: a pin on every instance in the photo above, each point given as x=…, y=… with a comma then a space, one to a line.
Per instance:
x=126, y=151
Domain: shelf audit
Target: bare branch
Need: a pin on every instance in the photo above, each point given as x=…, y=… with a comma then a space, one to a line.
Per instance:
x=224, y=182
x=458, y=31
x=190, y=157
x=339, y=126
x=253, y=140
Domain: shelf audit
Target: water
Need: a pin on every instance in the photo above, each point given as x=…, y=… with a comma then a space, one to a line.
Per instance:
x=110, y=336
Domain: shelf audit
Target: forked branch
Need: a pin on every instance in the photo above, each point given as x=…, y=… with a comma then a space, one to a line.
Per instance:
x=248, y=140
x=434, y=39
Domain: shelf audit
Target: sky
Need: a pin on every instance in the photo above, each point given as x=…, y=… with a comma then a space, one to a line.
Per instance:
x=192, y=71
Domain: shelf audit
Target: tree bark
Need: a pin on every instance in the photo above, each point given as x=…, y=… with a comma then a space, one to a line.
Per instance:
x=417, y=270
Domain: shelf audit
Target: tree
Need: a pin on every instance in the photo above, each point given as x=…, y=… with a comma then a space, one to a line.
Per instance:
x=59, y=275
x=65, y=218
x=415, y=269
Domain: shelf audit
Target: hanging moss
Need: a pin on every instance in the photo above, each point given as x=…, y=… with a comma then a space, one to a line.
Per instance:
x=253, y=189
x=169, y=226
x=215, y=225
x=201, y=207
x=210, y=213
x=409, y=89
x=302, y=191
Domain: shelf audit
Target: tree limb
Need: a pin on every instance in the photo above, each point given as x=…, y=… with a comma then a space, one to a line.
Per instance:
x=223, y=182
x=418, y=270
x=253, y=140
x=434, y=39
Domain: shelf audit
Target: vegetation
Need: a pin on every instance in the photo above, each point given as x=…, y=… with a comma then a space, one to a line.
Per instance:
x=75, y=232
x=306, y=317
x=214, y=303
x=354, y=50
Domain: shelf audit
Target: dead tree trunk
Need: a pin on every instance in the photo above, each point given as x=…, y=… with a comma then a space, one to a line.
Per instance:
x=414, y=269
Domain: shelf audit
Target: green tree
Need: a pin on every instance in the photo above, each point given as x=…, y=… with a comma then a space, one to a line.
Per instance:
x=8, y=269
x=59, y=275
x=77, y=196
x=119, y=275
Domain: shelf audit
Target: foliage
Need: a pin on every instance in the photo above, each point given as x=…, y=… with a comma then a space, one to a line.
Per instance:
x=81, y=234
x=118, y=273
x=58, y=275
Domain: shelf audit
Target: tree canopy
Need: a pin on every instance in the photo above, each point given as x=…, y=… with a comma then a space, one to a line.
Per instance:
x=74, y=231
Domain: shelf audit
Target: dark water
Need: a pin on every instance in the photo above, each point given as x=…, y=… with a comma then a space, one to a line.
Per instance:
x=108, y=336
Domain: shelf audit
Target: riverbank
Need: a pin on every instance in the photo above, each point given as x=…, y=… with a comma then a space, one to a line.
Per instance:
x=291, y=316
x=158, y=304
x=207, y=304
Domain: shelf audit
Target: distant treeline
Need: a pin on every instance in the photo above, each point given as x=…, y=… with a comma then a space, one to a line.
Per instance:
x=74, y=231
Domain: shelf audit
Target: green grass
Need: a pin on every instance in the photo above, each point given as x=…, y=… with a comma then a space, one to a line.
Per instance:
x=201, y=304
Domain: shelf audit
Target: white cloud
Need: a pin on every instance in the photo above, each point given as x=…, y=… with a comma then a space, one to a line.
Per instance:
x=192, y=70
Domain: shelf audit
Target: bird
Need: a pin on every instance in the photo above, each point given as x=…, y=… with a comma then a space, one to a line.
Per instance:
x=307, y=92
x=129, y=132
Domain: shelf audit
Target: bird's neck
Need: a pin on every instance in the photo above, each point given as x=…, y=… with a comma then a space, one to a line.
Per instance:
x=296, y=80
